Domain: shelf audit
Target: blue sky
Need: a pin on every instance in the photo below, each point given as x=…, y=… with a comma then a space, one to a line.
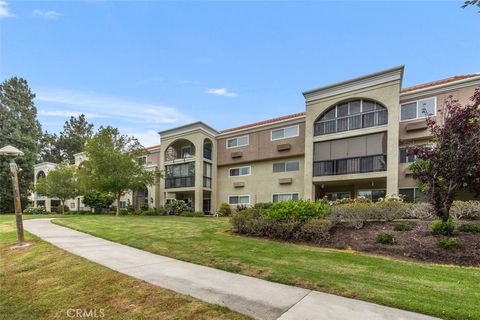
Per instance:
x=147, y=66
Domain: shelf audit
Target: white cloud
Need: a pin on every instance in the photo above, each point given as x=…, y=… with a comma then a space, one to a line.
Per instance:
x=221, y=92
x=5, y=10
x=112, y=107
x=147, y=139
x=53, y=15
x=65, y=113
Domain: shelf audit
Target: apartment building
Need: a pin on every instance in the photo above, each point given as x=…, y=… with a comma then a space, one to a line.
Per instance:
x=350, y=141
x=149, y=195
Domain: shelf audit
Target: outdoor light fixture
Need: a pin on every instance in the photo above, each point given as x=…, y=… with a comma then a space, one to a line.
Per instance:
x=13, y=152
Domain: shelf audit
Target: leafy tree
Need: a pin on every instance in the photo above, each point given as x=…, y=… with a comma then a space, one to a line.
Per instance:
x=72, y=140
x=20, y=128
x=97, y=200
x=60, y=183
x=472, y=3
x=452, y=164
x=111, y=166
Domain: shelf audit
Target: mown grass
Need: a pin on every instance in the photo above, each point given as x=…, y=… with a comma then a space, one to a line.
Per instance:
x=448, y=292
x=44, y=282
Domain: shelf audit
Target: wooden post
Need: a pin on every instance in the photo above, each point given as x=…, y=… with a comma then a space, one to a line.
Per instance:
x=16, y=198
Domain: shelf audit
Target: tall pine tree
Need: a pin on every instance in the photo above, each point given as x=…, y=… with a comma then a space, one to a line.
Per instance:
x=20, y=128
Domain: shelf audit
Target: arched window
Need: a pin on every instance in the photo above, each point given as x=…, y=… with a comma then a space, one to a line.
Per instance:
x=351, y=115
x=40, y=175
x=180, y=149
x=207, y=149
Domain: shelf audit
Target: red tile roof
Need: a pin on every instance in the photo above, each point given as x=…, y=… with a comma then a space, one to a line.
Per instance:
x=269, y=121
x=440, y=82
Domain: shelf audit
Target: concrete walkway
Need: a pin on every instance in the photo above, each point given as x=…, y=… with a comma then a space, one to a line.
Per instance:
x=257, y=298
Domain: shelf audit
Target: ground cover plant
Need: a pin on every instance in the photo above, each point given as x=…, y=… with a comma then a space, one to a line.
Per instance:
x=60, y=281
x=448, y=292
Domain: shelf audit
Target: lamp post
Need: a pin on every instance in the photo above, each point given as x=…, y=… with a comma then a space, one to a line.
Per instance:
x=13, y=152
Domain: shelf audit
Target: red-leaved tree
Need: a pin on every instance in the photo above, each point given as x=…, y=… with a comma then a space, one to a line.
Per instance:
x=452, y=162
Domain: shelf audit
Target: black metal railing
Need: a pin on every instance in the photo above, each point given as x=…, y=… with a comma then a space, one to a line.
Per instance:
x=351, y=122
x=207, y=182
x=180, y=182
x=350, y=165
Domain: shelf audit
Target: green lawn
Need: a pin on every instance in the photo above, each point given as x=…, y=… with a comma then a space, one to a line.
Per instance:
x=444, y=291
x=44, y=282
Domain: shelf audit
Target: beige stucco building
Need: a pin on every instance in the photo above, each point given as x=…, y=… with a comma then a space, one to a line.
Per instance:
x=350, y=141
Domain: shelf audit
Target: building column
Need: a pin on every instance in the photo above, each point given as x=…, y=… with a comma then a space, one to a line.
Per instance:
x=48, y=205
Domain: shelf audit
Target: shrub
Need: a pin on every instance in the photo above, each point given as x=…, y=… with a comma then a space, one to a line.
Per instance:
x=262, y=205
x=354, y=214
x=443, y=228
x=315, y=230
x=124, y=212
x=241, y=207
x=402, y=227
x=130, y=208
x=469, y=227
x=449, y=243
x=224, y=210
x=154, y=212
x=175, y=207
x=32, y=210
x=144, y=207
x=466, y=210
x=385, y=238
x=192, y=214
x=249, y=222
x=296, y=210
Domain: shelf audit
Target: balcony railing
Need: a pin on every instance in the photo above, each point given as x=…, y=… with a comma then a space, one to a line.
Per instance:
x=350, y=165
x=352, y=122
x=180, y=182
x=207, y=182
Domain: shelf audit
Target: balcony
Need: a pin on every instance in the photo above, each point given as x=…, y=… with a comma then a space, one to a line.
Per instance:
x=351, y=122
x=180, y=182
x=364, y=164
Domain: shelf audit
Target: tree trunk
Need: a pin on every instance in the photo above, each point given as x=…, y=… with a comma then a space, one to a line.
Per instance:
x=118, y=205
x=63, y=206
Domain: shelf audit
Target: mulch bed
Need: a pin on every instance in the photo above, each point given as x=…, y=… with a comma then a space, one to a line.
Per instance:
x=419, y=244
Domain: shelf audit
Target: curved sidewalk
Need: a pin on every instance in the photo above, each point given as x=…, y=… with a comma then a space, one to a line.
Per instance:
x=254, y=297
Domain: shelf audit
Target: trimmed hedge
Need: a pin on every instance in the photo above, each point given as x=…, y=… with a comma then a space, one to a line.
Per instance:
x=297, y=210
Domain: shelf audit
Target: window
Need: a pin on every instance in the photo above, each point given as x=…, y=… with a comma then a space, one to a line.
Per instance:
x=180, y=170
x=405, y=157
x=278, y=197
x=237, y=142
x=239, y=199
x=351, y=115
x=186, y=152
x=418, y=109
x=373, y=195
x=72, y=205
x=284, y=133
x=207, y=174
x=332, y=196
x=286, y=166
x=142, y=160
x=123, y=204
x=412, y=194
x=242, y=171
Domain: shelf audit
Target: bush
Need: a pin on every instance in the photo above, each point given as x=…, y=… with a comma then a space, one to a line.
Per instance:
x=443, y=228
x=192, y=214
x=449, y=243
x=249, y=222
x=130, y=208
x=124, y=212
x=469, y=227
x=296, y=210
x=175, y=207
x=315, y=230
x=263, y=205
x=144, y=207
x=32, y=210
x=402, y=227
x=466, y=210
x=241, y=207
x=385, y=238
x=154, y=212
x=224, y=210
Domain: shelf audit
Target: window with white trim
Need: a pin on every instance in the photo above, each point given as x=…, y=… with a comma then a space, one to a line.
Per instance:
x=418, y=109
x=72, y=205
x=243, y=199
x=237, y=142
x=283, y=133
x=278, y=197
x=123, y=204
x=286, y=166
x=238, y=172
